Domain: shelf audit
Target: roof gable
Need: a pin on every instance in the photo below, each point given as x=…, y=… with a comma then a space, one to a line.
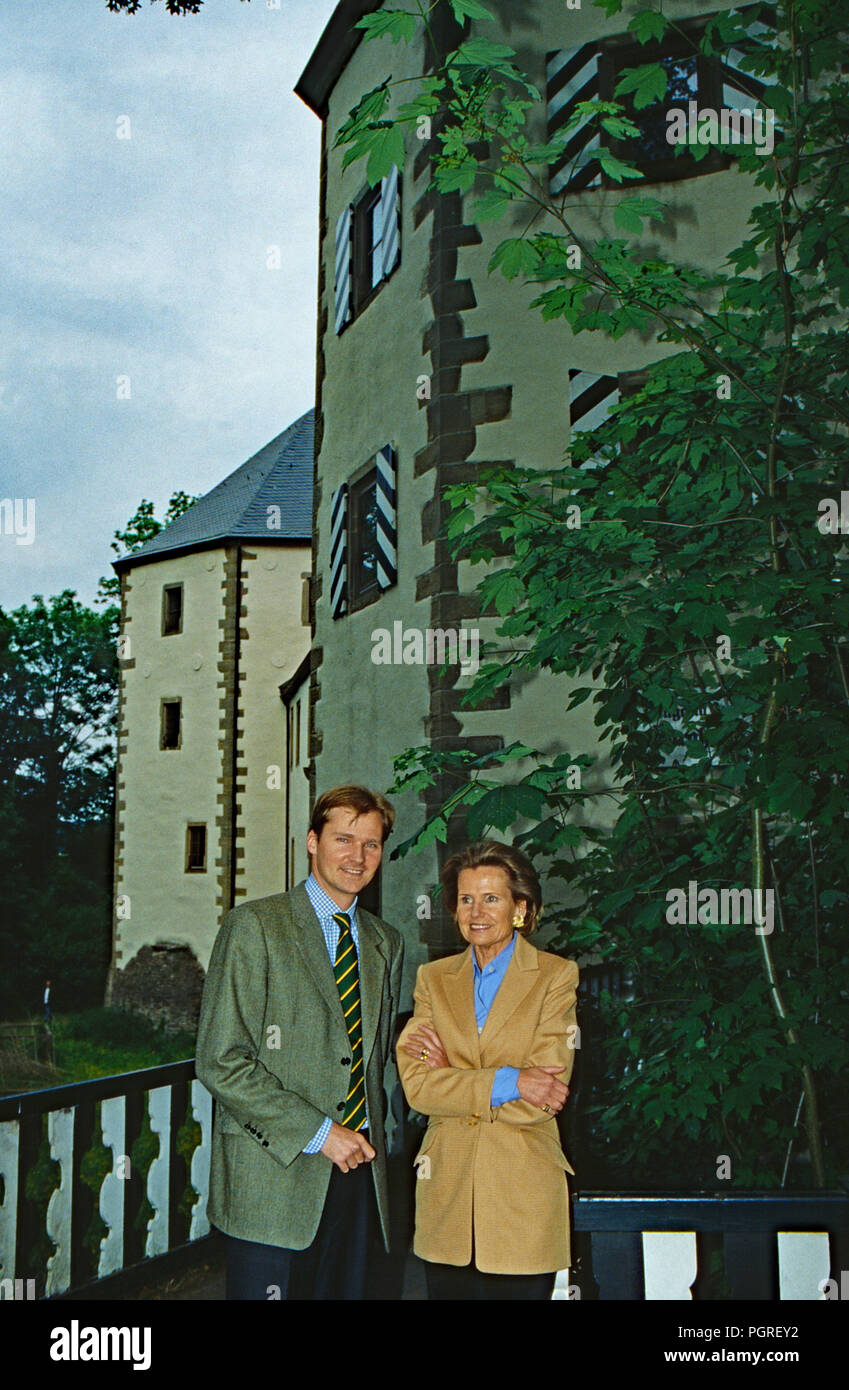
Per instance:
x=279, y=475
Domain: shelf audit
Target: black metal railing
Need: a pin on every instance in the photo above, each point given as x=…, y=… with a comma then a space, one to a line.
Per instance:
x=98, y=1176
x=105, y=1175
x=743, y=1245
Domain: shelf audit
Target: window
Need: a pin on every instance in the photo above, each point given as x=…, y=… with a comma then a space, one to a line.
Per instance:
x=368, y=231
x=172, y=609
x=367, y=247
x=297, y=733
x=592, y=397
x=363, y=535
x=195, y=849
x=363, y=539
x=170, y=724
x=592, y=71
x=690, y=77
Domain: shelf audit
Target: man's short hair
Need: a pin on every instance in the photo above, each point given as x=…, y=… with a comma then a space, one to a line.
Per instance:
x=357, y=799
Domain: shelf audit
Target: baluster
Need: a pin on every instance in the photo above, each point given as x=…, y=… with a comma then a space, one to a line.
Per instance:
x=803, y=1264
x=669, y=1264
x=113, y=1129
x=9, y=1157
x=60, y=1133
x=562, y=1288
x=202, y=1113
x=158, y=1184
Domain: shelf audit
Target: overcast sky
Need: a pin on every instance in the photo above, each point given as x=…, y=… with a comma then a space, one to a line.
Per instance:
x=147, y=258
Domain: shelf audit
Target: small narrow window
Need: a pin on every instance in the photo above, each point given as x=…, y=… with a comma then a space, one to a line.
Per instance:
x=170, y=726
x=297, y=733
x=305, y=600
x=172, y=609
x=195, y=849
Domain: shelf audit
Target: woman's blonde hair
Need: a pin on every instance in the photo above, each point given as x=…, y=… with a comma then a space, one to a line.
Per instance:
x=520, y=872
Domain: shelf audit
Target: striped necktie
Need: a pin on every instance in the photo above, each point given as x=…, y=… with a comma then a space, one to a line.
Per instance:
x=348, y=983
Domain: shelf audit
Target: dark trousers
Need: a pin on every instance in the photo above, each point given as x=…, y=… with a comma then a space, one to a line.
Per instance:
x=335, y=1266
x=467, y=1282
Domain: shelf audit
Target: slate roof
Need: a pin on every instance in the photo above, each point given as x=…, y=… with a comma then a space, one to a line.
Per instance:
x=280, y=474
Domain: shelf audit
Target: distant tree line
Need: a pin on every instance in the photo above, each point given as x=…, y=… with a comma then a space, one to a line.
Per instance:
x=58, y=700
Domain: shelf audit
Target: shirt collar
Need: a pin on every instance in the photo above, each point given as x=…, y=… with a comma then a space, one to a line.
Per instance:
x=501, y=962
x=324, y=906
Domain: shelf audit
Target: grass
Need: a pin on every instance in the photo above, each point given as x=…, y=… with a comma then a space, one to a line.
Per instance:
x=90, y=1044
x=93, y=1043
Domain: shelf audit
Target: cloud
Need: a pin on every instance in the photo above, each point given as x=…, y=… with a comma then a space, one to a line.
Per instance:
x=147, y=257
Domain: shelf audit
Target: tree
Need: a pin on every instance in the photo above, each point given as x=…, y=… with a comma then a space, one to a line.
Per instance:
x=141, y=527
x=57, y=708
x=172, y=6
x=58, y=694
x=65, y=683
x=687, y=565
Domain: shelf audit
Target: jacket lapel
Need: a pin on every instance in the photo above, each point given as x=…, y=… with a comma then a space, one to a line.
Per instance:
x=373, y=960
x=310, y=941
x=459, y=985
x=519, y=978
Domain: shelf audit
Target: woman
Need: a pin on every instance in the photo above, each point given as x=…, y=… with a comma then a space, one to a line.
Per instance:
x=486, y=1056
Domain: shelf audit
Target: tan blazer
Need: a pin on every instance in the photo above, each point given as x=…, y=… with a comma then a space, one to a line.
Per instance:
x=498, y=1172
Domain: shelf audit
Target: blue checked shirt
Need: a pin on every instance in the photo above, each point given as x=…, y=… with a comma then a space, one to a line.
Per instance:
x=487, y=984
x=324, y=908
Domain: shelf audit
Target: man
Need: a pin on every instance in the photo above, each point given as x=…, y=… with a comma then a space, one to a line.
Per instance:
x=48, y=1012
x=295, y=1030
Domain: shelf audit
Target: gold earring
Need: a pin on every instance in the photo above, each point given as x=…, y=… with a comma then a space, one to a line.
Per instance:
x=517, y=921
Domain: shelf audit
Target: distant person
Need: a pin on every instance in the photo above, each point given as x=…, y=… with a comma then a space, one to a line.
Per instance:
x=48, y=1012
x=295, y=1031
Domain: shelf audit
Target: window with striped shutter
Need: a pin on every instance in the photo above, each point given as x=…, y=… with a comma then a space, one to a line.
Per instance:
x=572, y=76
x=391, y=220
x=368, y=247
x=742, y=90
x=591, y=399
x=592, y=71
x=387, y=528
x=344, y=305
x=339, y=552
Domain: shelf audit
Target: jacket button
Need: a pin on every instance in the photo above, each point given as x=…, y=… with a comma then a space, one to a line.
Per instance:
x=341, y=1105
x=346, y=1061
